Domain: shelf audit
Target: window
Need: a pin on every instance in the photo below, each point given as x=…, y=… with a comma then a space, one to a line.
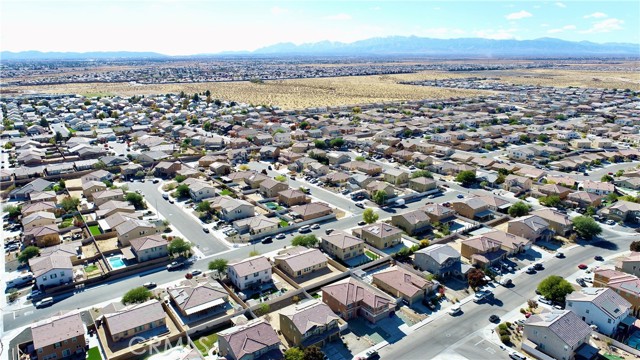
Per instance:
x=53, y=276
x=609, y=321
x=587, y=311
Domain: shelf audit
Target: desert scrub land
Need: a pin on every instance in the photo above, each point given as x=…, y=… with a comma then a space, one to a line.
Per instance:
x=288, y=94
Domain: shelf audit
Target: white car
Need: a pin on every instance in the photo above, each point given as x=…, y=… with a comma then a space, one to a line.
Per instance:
x=455, y=310
x=544, y=300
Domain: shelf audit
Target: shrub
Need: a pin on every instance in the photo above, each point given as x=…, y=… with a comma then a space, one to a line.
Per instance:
x=505, y=339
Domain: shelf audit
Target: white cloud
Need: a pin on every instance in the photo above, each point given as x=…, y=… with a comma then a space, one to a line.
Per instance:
x=562, y=29
x=605, y=26
x=519, y=15
x=278, y=10
x=561, y=5
x=596, y=15
x=339, y=17
x=495, y=34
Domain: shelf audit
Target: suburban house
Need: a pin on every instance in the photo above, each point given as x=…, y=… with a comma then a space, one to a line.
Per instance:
x=441, y=260
x=134, y=228
x=166, y=169
x=22, y=193
x=439, y=213
x=309, y=323
x=557, y=333
x=300, y=261
x=270, y=188
x=351, y=298
x=250, y=272
x=380, y=235
x=292, y=197
x=38, y=219
x=101, y=197
x=342, y=245
x=532, y=227
x=422, y=184
x=625, y=285
x=630, y=264
x=516, y=184
x=311, y=211
x=396, y=176
x=232, y=209
x=98, y=175
x=42, y=236
x=256, y=225
x=48, y=206
x=560, y=223
x=487, y=248
x=195, y=300
x=598, y=188
x=583, y=199
x=134, y=320
x=402, y=283
x=249, y=341
x=90, y=187
x=601, y=307
x=199, y=189
x=53, y=270
x=412, y=222
x=59, y=337
x=622, y=211
x=473, y=208
x=149, y=247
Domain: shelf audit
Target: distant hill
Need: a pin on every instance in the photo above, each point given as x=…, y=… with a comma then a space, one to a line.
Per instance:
x=412, y=45
x=388, y=46
x=39, y=55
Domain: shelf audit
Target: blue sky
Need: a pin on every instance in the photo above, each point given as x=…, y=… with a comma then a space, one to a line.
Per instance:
x=181, y=27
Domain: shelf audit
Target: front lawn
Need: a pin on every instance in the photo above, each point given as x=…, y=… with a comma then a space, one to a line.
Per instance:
x=371, y=255
x=95, y=230
x=94, y=354
x=226, y=192
x=90, y=268
x=205, y=343
x=284, y=223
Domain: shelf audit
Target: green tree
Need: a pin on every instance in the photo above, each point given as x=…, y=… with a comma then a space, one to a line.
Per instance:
x=360, y=158
x=136, y=200
x=204, y=207
x=263, y=309
x=183, y=191
x=519, y=209
x=590, y=211
x=28, y=253
x=336, y=143
x=606, y=178
x=586, y=227
x=294, y=353
x=136, y=295
x=379, y=197
x=44, y=123
x=619, y=173
x=309, y=240
x=219, y=265
x=58, y=138
x=543, y=137
x=421, y=173
x=551, y=200
x=555, y=288
x=466, y=178
x=319, y=144
x=369, y=216
x=70, y=203
x=524, y=138
x=280, y=178
x=13, y=211
x=635, y=246
x=179, y=246
x=206, y=126
x=313, y=353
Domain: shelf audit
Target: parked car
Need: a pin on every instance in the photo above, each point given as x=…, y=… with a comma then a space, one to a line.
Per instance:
x=280, y=236
x=195, y=272
x=267, y=240
x=460, y=196
x=598, y=258
x=174, y=265
x=155, y=181
x=531, y=270
x=165, y=196
x=517, y=356
x=362, y=223
x=315, y=227
x=150, y=285
x=34, y=294
x=582, y=266
x=538, y=266
x=48, y=301
x=371, y=354
x=455, y=310
x=205, y=230
x=610, y=222
x=544, y=300
x=304, y=229
x=329, y=231
x=360, y=205
x=560, y=255
x=494, y=318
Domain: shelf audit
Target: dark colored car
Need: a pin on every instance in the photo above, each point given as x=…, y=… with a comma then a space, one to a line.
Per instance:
x=599, y=258
x=494, y=318
x=538, y=266
x=267, y=240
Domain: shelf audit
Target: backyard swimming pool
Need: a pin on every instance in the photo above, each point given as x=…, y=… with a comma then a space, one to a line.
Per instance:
x=116, y=262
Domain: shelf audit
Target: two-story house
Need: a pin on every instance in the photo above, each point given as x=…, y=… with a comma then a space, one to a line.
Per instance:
x=532, y=227
x=380, y=235
x=601, y=307
x=254, y=340
x=53, y=270
x=402, y=283
x=441, y=260
x=412, y=222
x=342, y=245
x=351, y=298
x=300, y=261
x=59, y=337
x=309, y=323
x=134, y=320
x=149, y=247
x=250, y=272
x=558, y=333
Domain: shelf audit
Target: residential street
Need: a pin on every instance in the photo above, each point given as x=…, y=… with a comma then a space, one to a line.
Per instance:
x=450, y=334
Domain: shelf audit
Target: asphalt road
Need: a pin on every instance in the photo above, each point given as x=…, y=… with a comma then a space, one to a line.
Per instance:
x=448, y=335
x=185, y=224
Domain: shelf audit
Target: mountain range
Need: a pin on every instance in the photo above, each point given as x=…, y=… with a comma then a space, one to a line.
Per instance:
x=387, y=46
